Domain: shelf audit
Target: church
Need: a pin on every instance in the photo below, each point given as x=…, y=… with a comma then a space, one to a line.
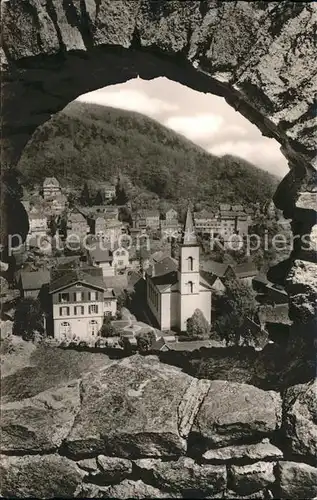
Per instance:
x=175, y=289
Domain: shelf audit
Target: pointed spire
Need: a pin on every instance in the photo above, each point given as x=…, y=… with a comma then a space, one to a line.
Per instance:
x=189, y=237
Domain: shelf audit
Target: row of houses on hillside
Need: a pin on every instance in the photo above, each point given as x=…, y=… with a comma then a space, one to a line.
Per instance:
x=226, y=221
x=154, y=220
x=52, y=189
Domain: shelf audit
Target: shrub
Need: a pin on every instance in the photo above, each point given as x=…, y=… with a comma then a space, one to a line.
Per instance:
x=197, y=325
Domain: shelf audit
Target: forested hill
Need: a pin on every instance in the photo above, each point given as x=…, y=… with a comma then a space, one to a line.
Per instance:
x=87, y=141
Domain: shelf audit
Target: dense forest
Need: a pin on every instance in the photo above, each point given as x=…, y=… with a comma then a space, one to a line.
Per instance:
x=87, y=141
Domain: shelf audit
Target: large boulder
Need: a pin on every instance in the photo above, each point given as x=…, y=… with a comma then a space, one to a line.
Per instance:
x=113, y=469
x=132, y=409
x=232, y=413
x=245, y=452
x=249, y=479
x=300, y=419
x=297, y=480
x=39, y=424
x=36, y=476
x=184, y=476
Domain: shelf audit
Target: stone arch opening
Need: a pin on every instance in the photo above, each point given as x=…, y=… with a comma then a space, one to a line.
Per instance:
x=258, y=56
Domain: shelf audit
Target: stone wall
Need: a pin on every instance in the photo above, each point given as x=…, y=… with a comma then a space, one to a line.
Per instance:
x=142, y=429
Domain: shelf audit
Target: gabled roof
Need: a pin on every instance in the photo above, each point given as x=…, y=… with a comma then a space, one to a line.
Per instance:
x=163, y=267
x=245, y=270
x=207, y=279
x=101, y=254
x=51, y=181
x=78, y=276
x=34, y=280
x=118, y=283
x=217, y=268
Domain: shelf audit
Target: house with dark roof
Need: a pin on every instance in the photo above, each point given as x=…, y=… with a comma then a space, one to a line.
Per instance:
x=246, y=272
x=216, y=274
x=252, y=334
x=175, y=289
x=103, y=258
x=80, y=301
x=30, y=283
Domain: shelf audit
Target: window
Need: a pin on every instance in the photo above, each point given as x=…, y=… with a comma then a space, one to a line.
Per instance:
x=190, y=287
x=107, y=303
x=120, y=262
x=93, y=327
x=92, y=296
x=64, y=311
x=190, y=263
x=64, y=328
x=93, y=309
x=78, y=310
x=78, y=296
x=63, y=297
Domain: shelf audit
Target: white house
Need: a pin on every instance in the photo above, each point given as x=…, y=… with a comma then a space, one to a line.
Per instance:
x=51, y=188
x=176, y=289
x=80, y=301
x=120, y=258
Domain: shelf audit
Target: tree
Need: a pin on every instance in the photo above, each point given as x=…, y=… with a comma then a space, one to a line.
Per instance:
x=121, y=191
x=28, y=319
x=145, y=341
x=197, y=325
x=107, y=330
x=237, y=303
x=99, y=198
x=52, y=226
x=85, y=196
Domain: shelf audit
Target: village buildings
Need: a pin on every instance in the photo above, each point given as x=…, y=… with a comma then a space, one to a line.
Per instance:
x=225, y=222
x=147, y=219
x=176, y=289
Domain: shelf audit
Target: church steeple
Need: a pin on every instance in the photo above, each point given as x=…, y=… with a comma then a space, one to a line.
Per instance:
x=189, y=236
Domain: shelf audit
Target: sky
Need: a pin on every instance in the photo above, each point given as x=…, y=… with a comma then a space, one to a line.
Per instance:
x=205, y=119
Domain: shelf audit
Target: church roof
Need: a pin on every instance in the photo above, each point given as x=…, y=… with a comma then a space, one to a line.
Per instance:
x=189, y=237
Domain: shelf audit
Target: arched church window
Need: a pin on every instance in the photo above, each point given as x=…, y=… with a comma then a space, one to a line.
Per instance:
x=190, y=263
x=190, y=287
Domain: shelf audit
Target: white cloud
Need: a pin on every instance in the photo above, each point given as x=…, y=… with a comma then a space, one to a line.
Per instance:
x=196, y=127
x=132, y=100
x=264, y=153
